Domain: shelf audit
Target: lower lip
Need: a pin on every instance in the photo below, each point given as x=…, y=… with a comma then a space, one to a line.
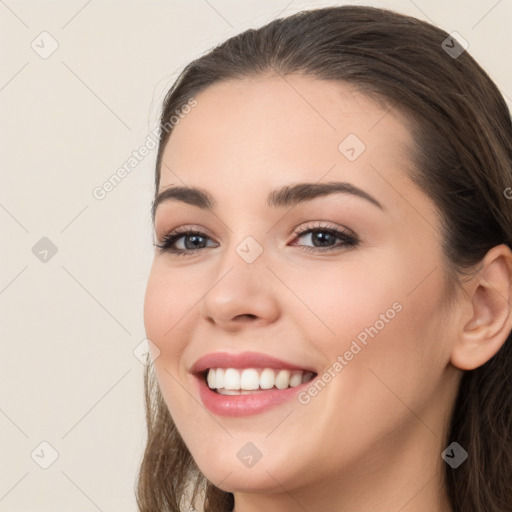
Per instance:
x=245, y=405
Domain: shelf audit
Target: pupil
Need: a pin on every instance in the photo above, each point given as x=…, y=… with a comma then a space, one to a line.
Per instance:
x=322, y=237
x=193, y=239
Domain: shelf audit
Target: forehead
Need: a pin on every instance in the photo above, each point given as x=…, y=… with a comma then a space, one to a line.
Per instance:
x=276, y=130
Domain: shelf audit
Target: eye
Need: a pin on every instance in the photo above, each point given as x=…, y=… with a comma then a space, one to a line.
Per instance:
x=186, y=241
x=324, y=238
x=193, y=241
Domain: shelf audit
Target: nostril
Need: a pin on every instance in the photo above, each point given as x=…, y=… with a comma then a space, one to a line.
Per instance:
x=247, y=316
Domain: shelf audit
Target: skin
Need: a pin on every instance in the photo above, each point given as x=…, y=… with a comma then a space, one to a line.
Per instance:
x=372, y=438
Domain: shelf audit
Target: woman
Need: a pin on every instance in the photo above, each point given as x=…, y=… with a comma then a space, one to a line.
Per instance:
x=330, y=299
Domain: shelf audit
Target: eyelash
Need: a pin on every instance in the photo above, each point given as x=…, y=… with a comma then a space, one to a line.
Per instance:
x=348, y=240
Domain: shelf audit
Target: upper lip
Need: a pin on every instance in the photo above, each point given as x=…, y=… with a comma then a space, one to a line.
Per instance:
x=243, y=360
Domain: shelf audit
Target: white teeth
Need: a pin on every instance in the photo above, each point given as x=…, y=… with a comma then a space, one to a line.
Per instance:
x=231, y=381
x=211, y=379
x=267, y=379
x=283, y=379
x=295, y=379
x=219, y=378
x=249, y=379
x=234, y=392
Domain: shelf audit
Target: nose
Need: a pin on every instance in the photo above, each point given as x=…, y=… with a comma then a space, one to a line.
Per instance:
x=241, y=295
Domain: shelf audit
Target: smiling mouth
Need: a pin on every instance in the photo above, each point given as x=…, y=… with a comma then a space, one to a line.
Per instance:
x=233, y=381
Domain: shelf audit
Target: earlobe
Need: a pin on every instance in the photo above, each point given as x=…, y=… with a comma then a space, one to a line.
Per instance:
x=490, y=296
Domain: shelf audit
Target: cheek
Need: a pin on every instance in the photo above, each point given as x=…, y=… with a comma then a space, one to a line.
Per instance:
x=168, y=297
x=405, y=350
x=391, y=363
x=376, y=315
x=342, y=299
x=168, y=311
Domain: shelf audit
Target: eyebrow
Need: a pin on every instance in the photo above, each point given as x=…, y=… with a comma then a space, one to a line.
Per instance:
x=289, y=195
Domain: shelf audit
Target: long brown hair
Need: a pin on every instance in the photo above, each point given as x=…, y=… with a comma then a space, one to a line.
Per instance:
x=462, y=161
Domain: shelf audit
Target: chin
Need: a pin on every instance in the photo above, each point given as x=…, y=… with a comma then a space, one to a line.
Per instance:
x=229, y=474
x=248, y=481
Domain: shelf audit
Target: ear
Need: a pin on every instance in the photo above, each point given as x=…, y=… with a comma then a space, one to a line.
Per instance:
x=490, y=311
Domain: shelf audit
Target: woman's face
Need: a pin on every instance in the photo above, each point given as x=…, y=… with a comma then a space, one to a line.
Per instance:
x=344, y=283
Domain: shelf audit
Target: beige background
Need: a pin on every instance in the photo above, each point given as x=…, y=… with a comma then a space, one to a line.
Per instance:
x=70, y=324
